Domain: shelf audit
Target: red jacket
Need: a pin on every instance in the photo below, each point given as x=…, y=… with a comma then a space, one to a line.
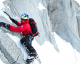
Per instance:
x=23, y=27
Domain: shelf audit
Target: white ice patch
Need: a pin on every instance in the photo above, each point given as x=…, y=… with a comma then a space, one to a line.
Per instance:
x=41, y=7
x=2, y=14
x=1, y=6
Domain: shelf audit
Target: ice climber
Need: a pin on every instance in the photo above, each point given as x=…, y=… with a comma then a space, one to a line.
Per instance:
x=28, y=31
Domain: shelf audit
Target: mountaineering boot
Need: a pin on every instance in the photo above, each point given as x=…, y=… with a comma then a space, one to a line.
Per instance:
x=32, y=56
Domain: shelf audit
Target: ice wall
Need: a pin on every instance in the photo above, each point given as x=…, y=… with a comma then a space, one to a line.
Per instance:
x=60, y=16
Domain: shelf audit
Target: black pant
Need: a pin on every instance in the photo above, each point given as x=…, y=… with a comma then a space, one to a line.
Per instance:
x=27, y=41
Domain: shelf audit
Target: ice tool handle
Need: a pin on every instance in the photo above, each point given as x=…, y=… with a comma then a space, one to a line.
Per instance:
x=10, y=17
x=7, y=14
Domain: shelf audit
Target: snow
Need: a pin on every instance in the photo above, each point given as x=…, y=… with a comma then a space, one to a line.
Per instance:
x=47, y=52
x=41, y=7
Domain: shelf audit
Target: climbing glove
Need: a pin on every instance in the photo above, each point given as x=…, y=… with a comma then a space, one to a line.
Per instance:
x=2, y=24
x=14, y=21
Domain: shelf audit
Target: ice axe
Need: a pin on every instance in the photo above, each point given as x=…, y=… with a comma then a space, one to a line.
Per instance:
x=7, y=14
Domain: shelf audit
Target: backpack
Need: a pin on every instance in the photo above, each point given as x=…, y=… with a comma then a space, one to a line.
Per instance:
x=33, y=26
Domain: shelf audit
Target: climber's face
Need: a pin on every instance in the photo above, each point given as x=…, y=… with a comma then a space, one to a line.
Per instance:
x=22, y=20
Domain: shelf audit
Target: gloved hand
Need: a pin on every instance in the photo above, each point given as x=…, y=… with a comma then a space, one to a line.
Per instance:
x=2, y=24
x=14, y=21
